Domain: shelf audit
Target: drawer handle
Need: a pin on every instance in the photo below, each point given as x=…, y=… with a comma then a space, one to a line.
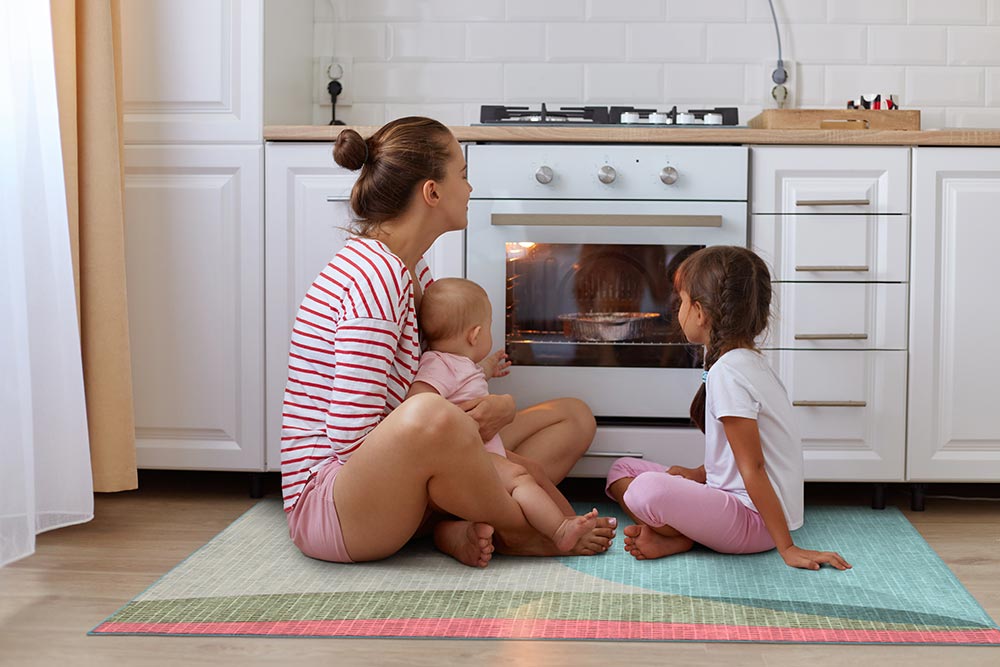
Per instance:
x=832, y=202
x=832, y=336
x=338, y=199
x=829, y=404
x=614, y=455
x=832, y=267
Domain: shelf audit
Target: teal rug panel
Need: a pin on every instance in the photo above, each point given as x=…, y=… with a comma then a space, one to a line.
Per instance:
x=895, y=576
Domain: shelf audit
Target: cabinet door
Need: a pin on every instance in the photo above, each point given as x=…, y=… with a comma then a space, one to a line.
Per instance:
x=830, y=179
x=838, y=316
x=833, y=248
x=851, y=410
x=193, y=70
x=954, y=433
x=194, y=263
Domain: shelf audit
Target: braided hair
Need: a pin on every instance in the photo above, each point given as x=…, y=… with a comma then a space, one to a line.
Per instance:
x=733, y=287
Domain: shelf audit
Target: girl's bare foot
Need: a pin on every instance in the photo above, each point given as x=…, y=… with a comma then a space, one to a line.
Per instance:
x=469, y=543
x=644, y=543
x=572, y=529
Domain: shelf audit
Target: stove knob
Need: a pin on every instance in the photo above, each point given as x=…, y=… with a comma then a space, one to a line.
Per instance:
x=544, y=175
x=607, y=174
x=668, y=175
x=713, y=119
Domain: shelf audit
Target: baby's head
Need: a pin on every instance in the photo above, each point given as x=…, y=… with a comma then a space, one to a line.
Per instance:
x=455, y=316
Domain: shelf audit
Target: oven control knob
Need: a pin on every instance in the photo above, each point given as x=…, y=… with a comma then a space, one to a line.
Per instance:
x=544, y=175
x=668, y=175
x=607, y=174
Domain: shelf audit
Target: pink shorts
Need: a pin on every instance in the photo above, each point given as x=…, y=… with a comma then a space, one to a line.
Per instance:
x=715, y=518
x=313, y=524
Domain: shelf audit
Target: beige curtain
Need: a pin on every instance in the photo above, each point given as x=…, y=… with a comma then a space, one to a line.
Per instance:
x=87, y=39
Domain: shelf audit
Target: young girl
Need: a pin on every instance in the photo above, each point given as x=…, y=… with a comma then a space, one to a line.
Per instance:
x=748, y=494
x=455, y=316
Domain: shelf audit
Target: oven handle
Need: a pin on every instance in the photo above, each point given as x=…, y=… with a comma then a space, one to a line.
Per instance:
x=615, y=455
x=602, y=220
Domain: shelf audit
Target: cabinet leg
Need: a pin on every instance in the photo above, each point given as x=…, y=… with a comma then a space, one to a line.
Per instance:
x=878, y=496
x=919, y=497
x=256, y=485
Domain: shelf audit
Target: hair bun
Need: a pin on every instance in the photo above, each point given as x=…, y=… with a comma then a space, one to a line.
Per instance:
x=350, y=151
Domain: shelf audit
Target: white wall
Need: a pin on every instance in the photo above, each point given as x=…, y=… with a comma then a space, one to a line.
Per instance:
x=444, y=58
x=288, y=62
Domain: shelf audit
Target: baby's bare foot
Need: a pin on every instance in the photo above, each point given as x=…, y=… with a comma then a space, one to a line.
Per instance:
x=598, y=540
x=644, y=543
x=572, y=529
x=469, y=543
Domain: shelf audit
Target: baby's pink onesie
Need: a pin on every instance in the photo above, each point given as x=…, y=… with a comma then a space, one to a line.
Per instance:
x=459, y=379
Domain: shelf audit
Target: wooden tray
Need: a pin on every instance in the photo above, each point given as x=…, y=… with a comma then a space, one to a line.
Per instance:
x=836, y=119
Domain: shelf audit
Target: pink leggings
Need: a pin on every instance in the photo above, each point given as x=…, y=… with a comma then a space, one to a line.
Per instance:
x=709, y=516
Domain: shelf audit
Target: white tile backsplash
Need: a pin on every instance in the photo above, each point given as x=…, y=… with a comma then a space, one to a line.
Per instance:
x=445, y=58
x=945, y=12
x=866, y=11
x=907, y=45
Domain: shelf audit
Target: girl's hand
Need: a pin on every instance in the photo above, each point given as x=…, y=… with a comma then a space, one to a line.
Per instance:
x=496, y=365
x=808, y=559
x=694, y=474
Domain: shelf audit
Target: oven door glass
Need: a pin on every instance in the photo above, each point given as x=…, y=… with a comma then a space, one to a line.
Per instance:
x=588, y=304
x=583, y=301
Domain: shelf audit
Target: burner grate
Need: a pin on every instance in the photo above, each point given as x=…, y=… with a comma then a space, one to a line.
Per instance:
x=614, y=115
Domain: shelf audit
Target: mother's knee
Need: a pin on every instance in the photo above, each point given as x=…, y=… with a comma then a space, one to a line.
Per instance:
x=429, y=419
x=581, y=415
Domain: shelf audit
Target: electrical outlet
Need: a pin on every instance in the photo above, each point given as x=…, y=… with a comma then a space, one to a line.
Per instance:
x=780, y=95
x=327, y=69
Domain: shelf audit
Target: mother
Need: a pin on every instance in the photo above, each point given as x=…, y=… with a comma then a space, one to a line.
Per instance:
x=362, y=471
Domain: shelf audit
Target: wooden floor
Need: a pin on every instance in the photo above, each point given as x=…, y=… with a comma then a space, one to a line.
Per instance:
x=82, y=574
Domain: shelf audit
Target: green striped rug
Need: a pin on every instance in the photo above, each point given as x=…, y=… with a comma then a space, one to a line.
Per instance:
x=251, y=581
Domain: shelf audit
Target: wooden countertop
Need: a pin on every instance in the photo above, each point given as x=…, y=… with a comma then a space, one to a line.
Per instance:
x=658, y=135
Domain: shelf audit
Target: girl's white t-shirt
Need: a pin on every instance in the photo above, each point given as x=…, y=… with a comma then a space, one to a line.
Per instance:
x=742, y=384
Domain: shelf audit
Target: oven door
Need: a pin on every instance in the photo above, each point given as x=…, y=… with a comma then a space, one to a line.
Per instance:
x=583, y=299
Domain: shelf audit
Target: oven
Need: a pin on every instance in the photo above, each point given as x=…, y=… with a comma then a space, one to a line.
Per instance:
x=576, y=246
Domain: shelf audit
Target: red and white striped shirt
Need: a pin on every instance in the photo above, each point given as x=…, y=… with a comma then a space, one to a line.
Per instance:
x=353, y=354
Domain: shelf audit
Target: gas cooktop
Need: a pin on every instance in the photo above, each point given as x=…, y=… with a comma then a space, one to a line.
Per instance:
x=603, y=116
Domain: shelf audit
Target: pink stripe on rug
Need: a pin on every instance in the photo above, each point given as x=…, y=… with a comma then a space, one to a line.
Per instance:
x=501, y=628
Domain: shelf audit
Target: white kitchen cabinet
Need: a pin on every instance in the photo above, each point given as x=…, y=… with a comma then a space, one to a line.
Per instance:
x=192, y=71
x=195, y=230
x=851, y=411
x=194, y=263
x=308, y=215
x=832, y=223
x=830, y=179
x=953, y=429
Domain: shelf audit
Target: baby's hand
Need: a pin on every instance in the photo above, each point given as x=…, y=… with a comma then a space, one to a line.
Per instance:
x=496, y=365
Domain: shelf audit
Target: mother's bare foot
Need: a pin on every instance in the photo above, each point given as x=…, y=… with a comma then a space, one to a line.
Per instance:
x=644, y=543
x=468, y=543
x=598, y=539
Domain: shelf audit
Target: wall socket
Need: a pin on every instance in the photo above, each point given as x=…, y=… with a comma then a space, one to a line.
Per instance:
x=326, y=69
x=780, y=96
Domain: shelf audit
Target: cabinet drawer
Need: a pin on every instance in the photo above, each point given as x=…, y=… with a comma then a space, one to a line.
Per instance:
x=838, y=247
x=810, y=179
x=838, y=316
x=851, y=411
x=679, y=445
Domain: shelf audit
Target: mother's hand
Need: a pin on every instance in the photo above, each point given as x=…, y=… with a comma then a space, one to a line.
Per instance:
x=491, y=412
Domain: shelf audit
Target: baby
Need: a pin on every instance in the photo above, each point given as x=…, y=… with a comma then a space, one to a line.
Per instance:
x=455, y=318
